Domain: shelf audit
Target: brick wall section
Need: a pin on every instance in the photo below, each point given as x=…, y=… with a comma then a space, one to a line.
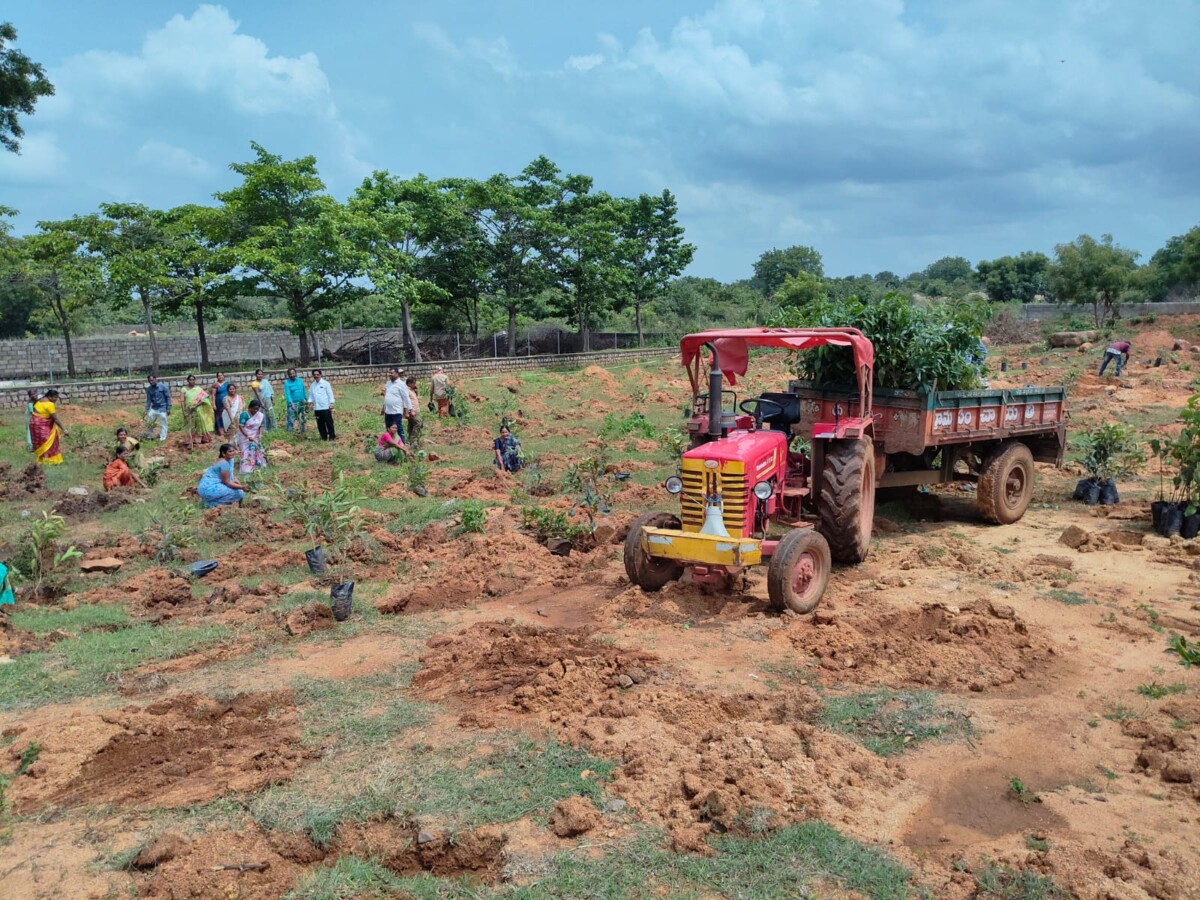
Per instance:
x=1033, y=311
x=134, y=391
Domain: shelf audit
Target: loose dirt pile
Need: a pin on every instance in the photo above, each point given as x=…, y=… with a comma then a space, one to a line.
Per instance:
x=691, y=760
x=971, y=647
x=87, y=504
x=175, y=752
x=28, y=484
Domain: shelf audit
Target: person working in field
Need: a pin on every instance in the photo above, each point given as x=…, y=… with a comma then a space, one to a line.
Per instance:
x=234, y=407
x=198, y=413
x=395, y=402
x=1118, y=350
x=414, y=415
x=218, y=392
x=45, y=431
x=131, y=444
x=158, y=408
x=320, y=395
x=439, y=391
x=508, y=451
x=390, y=446
x=249, y=438
x=31, y=394
x=264, y=393
x=218, y=486
x=118, y=474
x=295, y=394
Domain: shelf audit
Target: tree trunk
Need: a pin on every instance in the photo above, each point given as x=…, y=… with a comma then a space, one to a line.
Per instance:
x=512, y=330
x=150, y=332
x=200, y=335
x=60, y=313
x=637, y=313
x=410, y=339
x=305, y=353
x=585, y=336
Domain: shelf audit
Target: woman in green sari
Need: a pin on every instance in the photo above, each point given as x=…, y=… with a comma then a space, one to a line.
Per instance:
x=197, y=413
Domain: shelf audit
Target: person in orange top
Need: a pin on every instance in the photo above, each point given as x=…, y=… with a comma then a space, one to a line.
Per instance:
x=118, y=474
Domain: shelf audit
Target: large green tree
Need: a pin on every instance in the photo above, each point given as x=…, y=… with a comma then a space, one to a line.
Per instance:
x=22, y=83
x=1174, y=269
x=801, y=289
x=1019, y=278
x=66, y=280
x=1087, y=272
x=290, y=239
x=776, y=265
x=651, y=249
x=198, y=267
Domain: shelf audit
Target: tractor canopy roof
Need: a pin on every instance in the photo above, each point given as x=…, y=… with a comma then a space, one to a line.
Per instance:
x=733, y=345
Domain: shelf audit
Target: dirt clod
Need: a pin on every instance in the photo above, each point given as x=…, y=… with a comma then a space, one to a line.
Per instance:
x=573, y=817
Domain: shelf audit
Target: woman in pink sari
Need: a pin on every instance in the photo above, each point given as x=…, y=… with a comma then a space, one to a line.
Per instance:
x=249, y=438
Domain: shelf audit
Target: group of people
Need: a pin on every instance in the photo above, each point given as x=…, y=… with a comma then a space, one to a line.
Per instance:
x=221, y=411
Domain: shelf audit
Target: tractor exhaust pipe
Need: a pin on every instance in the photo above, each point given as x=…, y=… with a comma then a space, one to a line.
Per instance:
x=714, y=394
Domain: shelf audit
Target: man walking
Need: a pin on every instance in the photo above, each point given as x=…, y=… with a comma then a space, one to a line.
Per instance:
x=439, y=391
x=320, y=394
x=158, y=408
x=265, y=394
x=295, y=396
x=395, y=401
x=1116, y=350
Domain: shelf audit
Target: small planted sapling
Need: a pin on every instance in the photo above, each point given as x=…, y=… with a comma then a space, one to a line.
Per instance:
x=1109, y=451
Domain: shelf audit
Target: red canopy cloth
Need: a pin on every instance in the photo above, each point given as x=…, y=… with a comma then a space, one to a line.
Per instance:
x=733, y=345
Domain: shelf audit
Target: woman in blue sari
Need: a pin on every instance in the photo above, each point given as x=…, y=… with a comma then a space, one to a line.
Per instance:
x=508, y=451
x=218, y=486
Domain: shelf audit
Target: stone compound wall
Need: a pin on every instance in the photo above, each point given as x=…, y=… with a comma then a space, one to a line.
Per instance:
x=134, y=390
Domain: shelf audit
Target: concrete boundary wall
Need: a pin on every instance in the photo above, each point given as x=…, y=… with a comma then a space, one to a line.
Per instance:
x=1031, y=311
x=134, y=390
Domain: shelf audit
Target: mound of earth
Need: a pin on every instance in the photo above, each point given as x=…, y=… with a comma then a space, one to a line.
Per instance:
x=28, y=484
x=94, y=502
x=690, y=760
x=972, y=647
x=175, y=752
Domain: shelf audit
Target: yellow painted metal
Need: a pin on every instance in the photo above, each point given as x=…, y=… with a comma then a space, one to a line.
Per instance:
x=706, y=549
x=731, y=481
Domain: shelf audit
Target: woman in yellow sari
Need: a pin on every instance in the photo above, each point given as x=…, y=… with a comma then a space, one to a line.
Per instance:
x=197, y=413
x=45, y=431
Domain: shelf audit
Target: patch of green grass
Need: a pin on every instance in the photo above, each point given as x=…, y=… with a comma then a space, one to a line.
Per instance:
x=889, y=722
x=458, y=784
x=1019, y=791
x=1156, y=691
x=360, y=711
x=999, y=882
x=350, y=876
x=1070, y=598
x=1120, y=713
x=1037, y=844
x=83, y=666
x=85, y=617
x=415, y=512
x=1108, y=773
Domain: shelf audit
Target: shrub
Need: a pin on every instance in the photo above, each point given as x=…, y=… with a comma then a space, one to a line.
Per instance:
x=474, y=518
x=41, y=560
x=633, y=425
x=545, y=524
x=1110, y=451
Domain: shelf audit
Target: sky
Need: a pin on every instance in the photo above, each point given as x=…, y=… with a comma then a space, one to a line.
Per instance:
x=884, y=134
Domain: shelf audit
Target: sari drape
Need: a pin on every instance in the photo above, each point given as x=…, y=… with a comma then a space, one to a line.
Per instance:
x=47, y=439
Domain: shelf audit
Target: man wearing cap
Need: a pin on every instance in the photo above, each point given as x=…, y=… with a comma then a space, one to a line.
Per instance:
x=439, y=391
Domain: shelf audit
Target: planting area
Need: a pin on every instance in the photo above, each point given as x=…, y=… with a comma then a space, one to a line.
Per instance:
x=974, y=711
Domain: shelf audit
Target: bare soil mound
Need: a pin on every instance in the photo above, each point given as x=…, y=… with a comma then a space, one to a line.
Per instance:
x=692, y=760
x=972, y=647
x=175, y=752
x=27, y=484
x=94, y=502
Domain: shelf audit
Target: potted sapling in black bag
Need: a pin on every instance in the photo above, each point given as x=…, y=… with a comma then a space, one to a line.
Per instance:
x=1109, y=451
x=331, y=517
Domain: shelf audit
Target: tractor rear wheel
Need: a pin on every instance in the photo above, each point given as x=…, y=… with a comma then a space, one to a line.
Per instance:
x=648, y=572
x=798, y=571
x=1006, y=484
x=847, y=501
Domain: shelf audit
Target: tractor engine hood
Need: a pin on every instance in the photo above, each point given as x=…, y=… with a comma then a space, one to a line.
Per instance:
x=742, y=446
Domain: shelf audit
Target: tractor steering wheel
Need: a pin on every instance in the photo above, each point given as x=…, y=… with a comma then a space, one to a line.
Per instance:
x=760, y=407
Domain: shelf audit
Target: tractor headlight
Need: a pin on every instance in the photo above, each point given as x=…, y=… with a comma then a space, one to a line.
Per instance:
x=763, y=490
x=674, y=485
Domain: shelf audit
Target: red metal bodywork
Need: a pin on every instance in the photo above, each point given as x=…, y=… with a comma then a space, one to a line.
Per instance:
x=763, y=456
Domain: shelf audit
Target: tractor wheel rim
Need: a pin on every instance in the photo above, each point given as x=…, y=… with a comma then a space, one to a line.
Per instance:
x=804, y=576
x=1014, y=486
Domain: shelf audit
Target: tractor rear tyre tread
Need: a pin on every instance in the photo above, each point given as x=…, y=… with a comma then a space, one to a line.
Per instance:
x=646, y=572
x=1006, y=484
x=847, y=501
x=799, y=589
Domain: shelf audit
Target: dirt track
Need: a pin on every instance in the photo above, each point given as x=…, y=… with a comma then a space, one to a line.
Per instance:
x=708, y=706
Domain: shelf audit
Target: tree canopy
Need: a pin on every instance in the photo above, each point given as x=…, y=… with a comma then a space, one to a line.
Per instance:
x=22, y=83
x=1087, y=272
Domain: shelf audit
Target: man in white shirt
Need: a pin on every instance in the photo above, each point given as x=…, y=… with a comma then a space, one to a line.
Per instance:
x=320, y=395
x=396, y=403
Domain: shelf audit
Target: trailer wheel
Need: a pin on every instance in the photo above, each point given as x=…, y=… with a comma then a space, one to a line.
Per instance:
x=1006, y=484
x=799, y=571
x=648, y=572
x=847, y=503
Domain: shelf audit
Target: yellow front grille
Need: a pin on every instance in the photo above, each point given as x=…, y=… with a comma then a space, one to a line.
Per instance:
x=697, y=481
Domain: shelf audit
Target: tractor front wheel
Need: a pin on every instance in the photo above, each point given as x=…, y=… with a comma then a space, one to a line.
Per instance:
x=799, y=571
x=648, y=572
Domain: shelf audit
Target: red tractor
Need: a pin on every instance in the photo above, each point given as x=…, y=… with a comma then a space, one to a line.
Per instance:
x=740, y=476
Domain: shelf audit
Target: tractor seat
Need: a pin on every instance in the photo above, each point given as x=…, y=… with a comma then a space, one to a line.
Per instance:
x=790, y=415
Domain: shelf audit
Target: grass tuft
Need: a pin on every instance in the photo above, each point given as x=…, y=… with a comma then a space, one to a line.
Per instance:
x=889, y=722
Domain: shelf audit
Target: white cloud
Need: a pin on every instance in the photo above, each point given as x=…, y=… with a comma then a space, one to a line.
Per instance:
x=160, y=156
x=41, y=160
x=584, y=63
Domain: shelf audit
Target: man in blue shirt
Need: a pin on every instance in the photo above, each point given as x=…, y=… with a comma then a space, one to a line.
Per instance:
x=158, y=407
x=295, y=394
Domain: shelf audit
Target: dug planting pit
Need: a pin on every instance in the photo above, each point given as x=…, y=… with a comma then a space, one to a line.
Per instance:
x=175, y=752
x=692, y=761
x=973, y=647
